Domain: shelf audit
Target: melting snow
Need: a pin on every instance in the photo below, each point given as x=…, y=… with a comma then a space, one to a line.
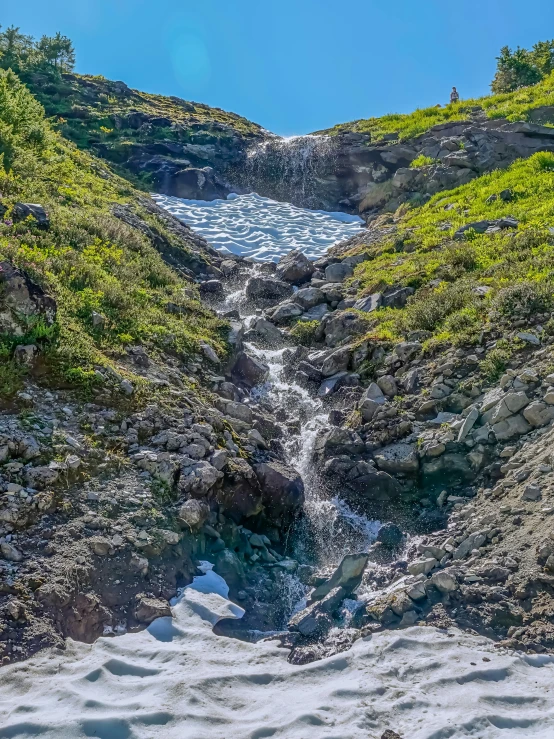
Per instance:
x=260, y=228
x=177, y=680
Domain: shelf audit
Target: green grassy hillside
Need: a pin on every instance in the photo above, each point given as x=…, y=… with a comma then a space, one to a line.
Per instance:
x=520, y=105
x=465, y=286
x=89, y=260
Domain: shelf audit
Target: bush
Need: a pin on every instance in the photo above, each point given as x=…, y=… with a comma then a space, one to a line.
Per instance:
x=422, y=161
x=495, y=363
x=429, y=308
x=543, y=161
x=304, y=333
x=525, y=299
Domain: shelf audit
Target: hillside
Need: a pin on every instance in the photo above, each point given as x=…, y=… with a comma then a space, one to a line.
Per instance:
x=534, y=104
x=161, y=143
x=108, y=278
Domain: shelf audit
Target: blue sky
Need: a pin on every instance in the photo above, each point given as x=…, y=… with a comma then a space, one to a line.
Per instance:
x=294, y=66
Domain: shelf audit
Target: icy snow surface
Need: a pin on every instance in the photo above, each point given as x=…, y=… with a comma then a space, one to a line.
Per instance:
x=260, y=228
x=177, y=680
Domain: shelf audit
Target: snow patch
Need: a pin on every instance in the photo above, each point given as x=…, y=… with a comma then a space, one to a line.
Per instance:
x=261, y=228
x=178, y=680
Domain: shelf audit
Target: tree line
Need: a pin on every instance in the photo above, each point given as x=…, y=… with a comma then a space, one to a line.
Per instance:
x=25, y=55
x=522, y=67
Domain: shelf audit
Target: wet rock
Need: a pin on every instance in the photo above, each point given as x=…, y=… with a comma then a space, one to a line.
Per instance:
x=267, y=332
x=285, y=312
x=249, y=371
x=396, y=458
x=390, y=535
x=230, y=568
x=347, y=576
x=449, y=466
x=267, y=289
x=149, y=609
x=212, y=287
x=335, y=382
x=315, y=619
x=337, y=441
x=282, y=488
x=294, y=267
x=308, y=297
x=316, y=313
x=336, y=362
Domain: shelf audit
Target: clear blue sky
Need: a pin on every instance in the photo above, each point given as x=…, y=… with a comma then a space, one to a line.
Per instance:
x=294, y=66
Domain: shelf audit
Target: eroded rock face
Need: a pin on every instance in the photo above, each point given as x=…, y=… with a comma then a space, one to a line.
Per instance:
x=22, y=301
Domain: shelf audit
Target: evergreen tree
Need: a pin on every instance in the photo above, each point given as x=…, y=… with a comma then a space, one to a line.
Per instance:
x=523, y=67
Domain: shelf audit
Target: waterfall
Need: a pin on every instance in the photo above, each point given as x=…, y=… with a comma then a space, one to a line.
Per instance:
x=292, y=169
x=329, y=528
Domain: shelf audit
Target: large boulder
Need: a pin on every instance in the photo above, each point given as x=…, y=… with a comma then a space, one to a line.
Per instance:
x=22, y=299
x=294, y=267
x=309, y=297
x=240, y=495
x=267, y=290
x=249, y=371
x=399, y=457
x=336, y=442
x=348, y=576
x=282, y=488
x=338, y=327
x=22, y=211
x=338, y=272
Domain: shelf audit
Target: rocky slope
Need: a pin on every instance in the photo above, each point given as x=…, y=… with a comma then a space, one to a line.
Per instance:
x=166, y=144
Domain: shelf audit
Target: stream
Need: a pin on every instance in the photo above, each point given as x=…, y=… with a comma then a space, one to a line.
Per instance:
x=179, y=680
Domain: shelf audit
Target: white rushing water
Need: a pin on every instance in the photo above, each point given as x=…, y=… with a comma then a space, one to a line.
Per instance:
x=260, y=228
x=178, y=680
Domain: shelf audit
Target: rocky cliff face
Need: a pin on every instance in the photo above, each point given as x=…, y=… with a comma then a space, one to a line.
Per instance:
x=350, y=172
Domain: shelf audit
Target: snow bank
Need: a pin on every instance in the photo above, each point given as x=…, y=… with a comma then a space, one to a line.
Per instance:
x=177, y=680
x=260, y=228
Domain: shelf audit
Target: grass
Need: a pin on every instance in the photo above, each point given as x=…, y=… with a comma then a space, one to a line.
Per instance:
x=93, y=113
x=88, y=260
x=514, y=106
x=515, y=267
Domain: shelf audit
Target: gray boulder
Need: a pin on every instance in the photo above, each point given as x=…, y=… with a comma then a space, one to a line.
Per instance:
x=267, y=289
x=308, y=297
x=282, y=488
x=338, y=361
x=249, y=371
x=22, y=211
x=294, y=267
x=399, y=457
x=347, y=576
x=338, y=272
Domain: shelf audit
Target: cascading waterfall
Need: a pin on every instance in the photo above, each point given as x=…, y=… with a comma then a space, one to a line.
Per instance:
x=289, y=169
x=329, y=528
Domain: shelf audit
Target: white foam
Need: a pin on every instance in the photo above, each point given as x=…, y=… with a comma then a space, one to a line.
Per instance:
x=261, y=228
x=177, y=680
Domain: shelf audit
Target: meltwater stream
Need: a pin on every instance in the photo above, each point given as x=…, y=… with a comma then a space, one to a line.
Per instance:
x=179, y=680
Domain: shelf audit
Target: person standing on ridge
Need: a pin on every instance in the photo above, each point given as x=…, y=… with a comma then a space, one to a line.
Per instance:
x=454, y=96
